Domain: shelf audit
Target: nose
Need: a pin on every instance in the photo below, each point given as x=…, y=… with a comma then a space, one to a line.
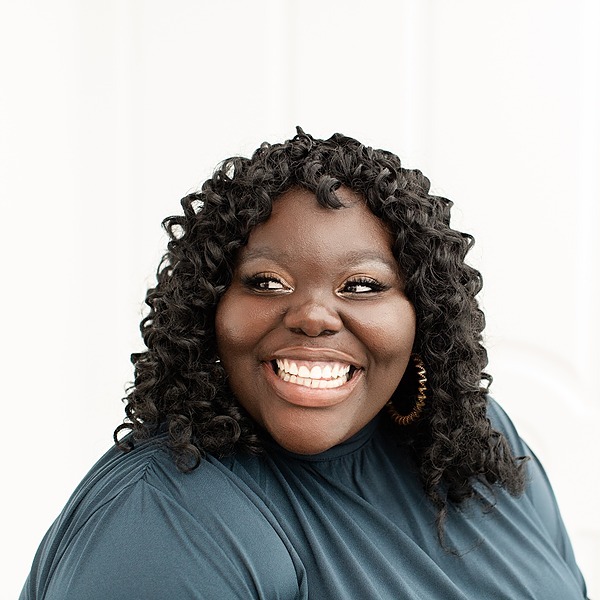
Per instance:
x=313, y=318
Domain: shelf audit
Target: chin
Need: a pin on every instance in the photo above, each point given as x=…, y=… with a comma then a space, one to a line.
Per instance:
x=306, y=446
x=309, y=438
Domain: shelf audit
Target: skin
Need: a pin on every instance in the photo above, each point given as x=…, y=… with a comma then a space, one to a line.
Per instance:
x=316, y=286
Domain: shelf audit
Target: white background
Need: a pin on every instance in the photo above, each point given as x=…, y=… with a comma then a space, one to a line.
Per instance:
x=112, y=110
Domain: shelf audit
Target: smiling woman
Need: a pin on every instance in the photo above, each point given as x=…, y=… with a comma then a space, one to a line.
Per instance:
x=311, y=417
x=327, y=299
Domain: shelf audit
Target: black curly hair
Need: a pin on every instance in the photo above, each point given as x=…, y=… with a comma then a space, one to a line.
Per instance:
x=181, y=387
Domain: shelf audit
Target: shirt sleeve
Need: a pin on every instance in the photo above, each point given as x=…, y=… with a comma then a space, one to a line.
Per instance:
x=144, y=544
x=538, y=490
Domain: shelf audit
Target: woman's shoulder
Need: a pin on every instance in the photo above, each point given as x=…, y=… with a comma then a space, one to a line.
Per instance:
x=539, y=494
x=160, y=532
x=500, y=420
x=149, y=466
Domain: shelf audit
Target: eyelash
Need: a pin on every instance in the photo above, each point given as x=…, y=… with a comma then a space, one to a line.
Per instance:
x=375, y=285
x=261, y=281
x=257, y=282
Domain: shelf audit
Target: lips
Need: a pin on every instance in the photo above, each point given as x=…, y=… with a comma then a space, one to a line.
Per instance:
x=313, y=374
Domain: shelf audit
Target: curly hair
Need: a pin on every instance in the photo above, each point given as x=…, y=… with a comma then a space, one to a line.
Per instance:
x=181, y=387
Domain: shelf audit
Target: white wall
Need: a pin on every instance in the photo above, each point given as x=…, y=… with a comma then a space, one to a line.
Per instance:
x=112, y=110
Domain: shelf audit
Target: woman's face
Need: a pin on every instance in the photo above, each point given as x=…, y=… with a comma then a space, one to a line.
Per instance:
x=315, y=331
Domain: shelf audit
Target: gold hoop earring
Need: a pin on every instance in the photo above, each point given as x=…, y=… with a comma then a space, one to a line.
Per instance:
x=415, y=413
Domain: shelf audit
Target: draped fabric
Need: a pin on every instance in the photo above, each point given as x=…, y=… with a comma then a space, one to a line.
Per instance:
x=351, y=522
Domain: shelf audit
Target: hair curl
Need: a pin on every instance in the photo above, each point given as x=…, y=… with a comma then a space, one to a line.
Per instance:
x=181, y=386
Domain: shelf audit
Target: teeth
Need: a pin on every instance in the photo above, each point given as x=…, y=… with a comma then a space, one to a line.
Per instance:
x=321, y=377
x=315, y=372
x=323, y=384
x=303, y=371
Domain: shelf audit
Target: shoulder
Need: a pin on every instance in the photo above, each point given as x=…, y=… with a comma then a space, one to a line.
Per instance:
x=501, y=422
x=163, y=533
x=538, y=486
x=538, y=495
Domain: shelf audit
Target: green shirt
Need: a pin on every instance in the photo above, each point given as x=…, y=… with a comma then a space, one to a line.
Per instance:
x=350, y=523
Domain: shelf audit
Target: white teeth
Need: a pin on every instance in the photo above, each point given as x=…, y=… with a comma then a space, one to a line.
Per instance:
x=321, y=377
x=315, y=372
x=303, y=371
x=323, y=384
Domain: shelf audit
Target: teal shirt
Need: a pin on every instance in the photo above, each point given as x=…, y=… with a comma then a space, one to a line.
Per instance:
x=350, y=523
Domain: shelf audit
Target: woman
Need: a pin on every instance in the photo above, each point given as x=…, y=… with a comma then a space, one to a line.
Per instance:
x=309, y=419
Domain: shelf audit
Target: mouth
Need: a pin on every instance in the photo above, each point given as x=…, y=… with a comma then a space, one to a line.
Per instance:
x=324, y=375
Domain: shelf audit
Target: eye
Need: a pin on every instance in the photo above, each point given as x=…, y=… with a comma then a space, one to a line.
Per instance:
x=362, y=285
x=266, y=282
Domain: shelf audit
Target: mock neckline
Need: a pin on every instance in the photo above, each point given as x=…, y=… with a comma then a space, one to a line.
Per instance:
x=352, y=444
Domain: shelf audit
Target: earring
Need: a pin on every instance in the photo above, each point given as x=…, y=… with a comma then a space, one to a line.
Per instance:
x=415, y=413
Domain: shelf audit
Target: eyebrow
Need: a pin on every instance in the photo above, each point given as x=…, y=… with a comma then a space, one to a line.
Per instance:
x=353, y=257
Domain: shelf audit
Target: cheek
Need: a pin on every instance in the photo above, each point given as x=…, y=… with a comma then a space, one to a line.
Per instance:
x=238, y=333
x=231, y=328
x=232, y=336
x=240, y=324
x=390, y=332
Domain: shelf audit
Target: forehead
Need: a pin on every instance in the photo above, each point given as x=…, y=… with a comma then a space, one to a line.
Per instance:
x=297, y=219
x=304, y=235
